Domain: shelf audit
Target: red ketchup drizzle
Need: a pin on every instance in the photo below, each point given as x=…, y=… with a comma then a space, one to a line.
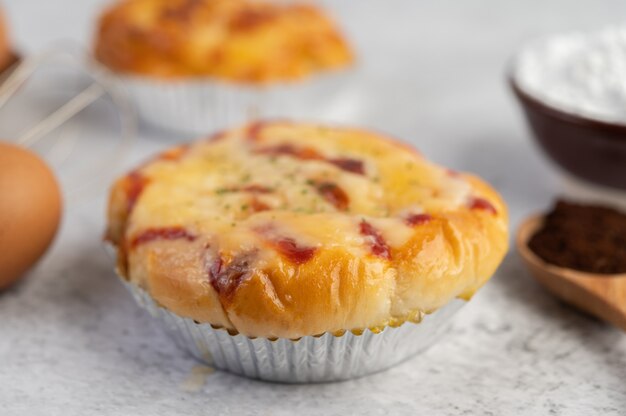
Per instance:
x=257, y=189
x=250, y=19
x=289, y=249
x=168, y=233
x=173, y=154
x=183, y=12
x=226, y=278
x=418, y=219
x=286, y=246
x=482, y=204
x=255, y=130
x=258, y=206
x=453, y=173
x=135, y=185
x=349, y=165
x=307, y=153
x=332, y=193
x=376, y=241
x=304, y=153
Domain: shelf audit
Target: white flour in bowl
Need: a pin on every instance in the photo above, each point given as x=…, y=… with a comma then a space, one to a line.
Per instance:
x=581, y=73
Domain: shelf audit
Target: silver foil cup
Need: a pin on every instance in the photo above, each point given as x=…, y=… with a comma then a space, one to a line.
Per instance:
x=201, y=107
x=309, y=359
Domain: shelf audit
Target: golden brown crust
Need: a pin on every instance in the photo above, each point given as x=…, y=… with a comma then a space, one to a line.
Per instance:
x=287, y=230
x=236, y=40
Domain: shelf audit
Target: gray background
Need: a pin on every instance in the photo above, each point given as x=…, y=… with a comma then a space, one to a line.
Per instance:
x=431, y=72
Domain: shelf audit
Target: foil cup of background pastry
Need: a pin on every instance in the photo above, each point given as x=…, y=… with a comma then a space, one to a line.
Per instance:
x=202, y=106
x=323, y=358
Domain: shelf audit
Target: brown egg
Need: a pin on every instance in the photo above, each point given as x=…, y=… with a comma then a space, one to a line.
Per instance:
x=30, y=211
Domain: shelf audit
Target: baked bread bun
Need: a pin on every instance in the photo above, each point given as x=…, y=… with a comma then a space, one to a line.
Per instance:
x=285, y=230
x=237, y=40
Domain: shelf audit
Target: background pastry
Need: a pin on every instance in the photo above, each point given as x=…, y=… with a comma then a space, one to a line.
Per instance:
x=236, y=40
x=200, y=64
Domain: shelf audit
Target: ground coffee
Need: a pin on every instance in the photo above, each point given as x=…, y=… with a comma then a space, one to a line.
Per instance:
x=583, y=237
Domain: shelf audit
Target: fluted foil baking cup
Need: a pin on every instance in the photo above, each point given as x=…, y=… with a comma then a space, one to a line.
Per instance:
x=309, y=359
x=202, y=107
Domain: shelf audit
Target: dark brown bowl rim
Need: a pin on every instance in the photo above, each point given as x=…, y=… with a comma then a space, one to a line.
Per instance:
x=569, y=117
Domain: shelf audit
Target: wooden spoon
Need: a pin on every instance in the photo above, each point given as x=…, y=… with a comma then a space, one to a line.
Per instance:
x=601, y=295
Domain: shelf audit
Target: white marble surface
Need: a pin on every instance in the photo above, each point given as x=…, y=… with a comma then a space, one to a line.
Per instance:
x=432, y=72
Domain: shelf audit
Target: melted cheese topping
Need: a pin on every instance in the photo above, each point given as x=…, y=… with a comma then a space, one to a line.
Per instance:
x=234, y=186
x=237, y=40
